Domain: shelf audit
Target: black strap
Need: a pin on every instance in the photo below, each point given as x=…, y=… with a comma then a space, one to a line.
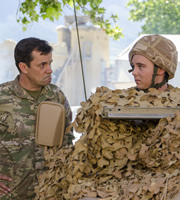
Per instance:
x=154, y=76
x=157, y=85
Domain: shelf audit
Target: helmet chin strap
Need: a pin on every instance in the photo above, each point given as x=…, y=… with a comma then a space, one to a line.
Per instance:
x=157, y=85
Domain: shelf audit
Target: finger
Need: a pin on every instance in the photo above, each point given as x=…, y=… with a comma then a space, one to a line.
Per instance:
x=1, y=194
x=4, y=177
x=4, y=189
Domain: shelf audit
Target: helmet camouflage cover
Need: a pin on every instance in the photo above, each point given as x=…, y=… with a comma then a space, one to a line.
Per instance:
x=158, y=49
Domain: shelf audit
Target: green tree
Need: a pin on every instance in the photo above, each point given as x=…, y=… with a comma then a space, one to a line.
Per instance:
x=32, y=10
x=158, y=16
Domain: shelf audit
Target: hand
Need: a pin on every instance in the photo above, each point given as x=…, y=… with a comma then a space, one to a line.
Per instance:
x=3, y=188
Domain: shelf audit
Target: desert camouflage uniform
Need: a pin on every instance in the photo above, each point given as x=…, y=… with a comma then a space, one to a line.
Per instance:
x=20, y=158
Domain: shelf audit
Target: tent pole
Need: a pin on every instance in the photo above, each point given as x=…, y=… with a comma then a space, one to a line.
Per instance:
x=80, y=52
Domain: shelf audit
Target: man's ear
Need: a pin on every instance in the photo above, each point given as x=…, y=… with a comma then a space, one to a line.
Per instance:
x=23, y=67
x=160, y=71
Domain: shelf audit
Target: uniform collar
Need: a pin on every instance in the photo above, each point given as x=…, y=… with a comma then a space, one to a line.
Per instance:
x=46, y=93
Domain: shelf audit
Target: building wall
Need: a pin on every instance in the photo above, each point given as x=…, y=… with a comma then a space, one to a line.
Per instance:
x=94, y=44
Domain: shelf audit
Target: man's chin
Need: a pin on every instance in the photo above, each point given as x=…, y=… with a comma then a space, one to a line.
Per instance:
x=140, y=87
x=47, y=81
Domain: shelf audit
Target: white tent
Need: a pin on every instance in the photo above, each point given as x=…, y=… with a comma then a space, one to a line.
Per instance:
x=123, y=77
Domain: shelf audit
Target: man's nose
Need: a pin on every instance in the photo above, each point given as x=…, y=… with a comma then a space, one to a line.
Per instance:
x=135, y=71
x=49, y=69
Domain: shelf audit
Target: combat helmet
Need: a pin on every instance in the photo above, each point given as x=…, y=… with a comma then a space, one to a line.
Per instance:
x=158, y=49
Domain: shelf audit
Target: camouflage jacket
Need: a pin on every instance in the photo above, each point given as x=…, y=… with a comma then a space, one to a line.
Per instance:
x=20, y=157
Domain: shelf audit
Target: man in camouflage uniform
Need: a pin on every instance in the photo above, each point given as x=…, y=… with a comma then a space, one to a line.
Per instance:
x=153, y=59
x=21, y=159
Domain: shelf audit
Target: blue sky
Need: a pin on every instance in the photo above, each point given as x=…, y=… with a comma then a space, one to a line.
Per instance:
x=10, y=29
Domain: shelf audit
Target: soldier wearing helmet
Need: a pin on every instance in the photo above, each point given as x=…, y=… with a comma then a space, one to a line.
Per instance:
x=153, y=59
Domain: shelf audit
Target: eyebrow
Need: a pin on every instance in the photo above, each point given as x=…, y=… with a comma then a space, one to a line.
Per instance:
x=139, y=63
x=45, y=62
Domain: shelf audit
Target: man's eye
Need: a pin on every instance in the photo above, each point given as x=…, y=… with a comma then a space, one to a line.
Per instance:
x=42, y=65
x=141, y=66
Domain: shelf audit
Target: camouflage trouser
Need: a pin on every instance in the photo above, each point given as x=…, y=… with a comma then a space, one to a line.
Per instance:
x=12, y=197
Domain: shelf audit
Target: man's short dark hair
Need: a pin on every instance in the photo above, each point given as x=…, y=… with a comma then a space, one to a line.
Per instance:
x=24, y=48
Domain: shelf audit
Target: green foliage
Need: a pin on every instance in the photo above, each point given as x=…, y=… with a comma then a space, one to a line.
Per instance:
x=32, y=10
x=158, y=16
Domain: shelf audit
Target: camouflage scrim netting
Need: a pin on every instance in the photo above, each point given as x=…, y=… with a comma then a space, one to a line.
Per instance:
x=158, y=49
x=117, y=159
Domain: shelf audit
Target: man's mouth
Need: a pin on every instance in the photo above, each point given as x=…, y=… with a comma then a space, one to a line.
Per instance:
x=137, y=80
x=48, y=78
